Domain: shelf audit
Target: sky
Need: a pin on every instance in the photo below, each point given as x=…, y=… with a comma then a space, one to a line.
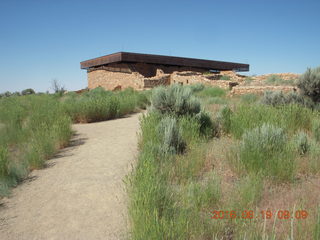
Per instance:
x=45, y=40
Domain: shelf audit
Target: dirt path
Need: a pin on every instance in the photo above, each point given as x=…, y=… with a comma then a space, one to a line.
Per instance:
x=80, y=195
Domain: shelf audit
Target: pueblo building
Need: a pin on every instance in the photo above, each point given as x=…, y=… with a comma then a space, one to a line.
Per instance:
x=143, y=71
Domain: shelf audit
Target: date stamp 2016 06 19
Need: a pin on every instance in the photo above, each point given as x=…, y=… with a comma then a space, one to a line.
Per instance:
x=265, y=214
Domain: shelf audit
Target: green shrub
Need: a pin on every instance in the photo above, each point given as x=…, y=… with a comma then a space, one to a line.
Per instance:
x=301, y=143
x=198, y=195
x=4, y=162
x=316, y=129
x=163, y=203
x=207, y=127
x=171, y=136
x=196, y=87
x=35, y=127
x=309, y=84
x=273, y=98
x=190, y=129
x=248, y=192
x=265, y=149
x=176, y=99
x=99, y=104
x=217, y=100
x=212, y=92
x=313, y=157
x=143, y=99
x=28, y=91
x=289, y=117
x=224, y=118
x=316, y=230
x=249, y=98
x=295, y=98
x=225, y=77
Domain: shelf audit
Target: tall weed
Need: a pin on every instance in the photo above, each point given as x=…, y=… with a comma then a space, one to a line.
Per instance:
x=265, y=149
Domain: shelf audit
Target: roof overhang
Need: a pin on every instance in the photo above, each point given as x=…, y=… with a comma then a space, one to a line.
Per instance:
x=128, y=57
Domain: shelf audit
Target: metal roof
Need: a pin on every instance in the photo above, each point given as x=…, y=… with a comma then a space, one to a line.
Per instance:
x=128, y=57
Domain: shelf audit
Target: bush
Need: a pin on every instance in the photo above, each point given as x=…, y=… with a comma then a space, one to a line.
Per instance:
x=99, y=104
x=212, y=92
x=265, y=149
x=273, y=98
x=207, y=127
x=196, y=87
x=289, y=117
x=313, y=155
x=171, y=136
x=279, y=98
x=316, y=129
x=224, y=118
x=176, y=100
x=225, y=77
x=309, y=84
x=4, y=162
x=301, y=143
x=28, y=91
x=217, y=100
x=249, y=98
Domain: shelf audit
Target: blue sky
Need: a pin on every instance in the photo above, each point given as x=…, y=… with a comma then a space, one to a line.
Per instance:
x=42, y=40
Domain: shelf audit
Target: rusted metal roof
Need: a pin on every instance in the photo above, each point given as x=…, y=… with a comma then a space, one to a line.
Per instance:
x=128, y=57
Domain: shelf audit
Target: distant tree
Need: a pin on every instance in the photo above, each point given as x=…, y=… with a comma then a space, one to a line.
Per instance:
x=7, y=94
x=28, y=91
x=16, y=94
x=57, y=87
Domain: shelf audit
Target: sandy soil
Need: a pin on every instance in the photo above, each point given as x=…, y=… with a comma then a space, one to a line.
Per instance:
x=81, y=193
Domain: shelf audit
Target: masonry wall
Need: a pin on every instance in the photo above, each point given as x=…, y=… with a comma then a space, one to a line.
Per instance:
x=240, y=90
x=139, y=75
x=114, y=80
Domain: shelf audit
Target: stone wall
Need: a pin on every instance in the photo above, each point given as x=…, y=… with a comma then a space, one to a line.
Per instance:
x=240, y=90
x=112, y=80
x=163, y=79
x=140, y=75
x=144, y=76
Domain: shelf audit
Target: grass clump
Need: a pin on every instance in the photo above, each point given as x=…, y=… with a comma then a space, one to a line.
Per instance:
x=34, y=128
x=316, y=129
x=217, y=100
x=312, y=157
x=196, y=87
x=249, y=98
x=265, y=149
x=167, y=196
x=225, y=77
x=301, y=143
x=289, y=117
x=4, y=171
x=212, y=92
x=248, y=192
x=276, y=80
x=99, y=104
x=224, y=118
